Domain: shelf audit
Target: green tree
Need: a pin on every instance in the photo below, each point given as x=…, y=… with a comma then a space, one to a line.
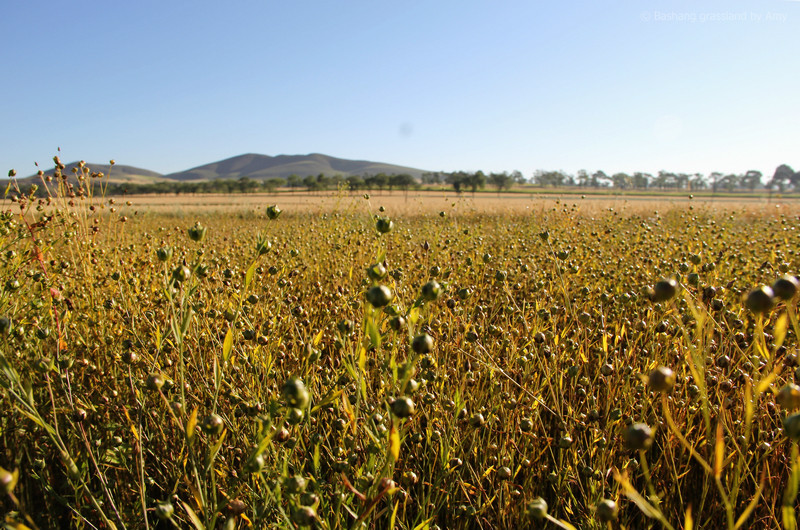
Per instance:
x=501, y=181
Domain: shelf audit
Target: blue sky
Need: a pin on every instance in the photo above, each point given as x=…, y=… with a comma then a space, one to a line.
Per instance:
x=689, y=86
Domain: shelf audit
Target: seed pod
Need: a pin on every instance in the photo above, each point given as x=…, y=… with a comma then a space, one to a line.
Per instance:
x=295, y=393
x=537, y=509
x=154, y=382
x=212, y=424
x=273, y=212
x=197, y=232
x=477, y=420
x=431, y=291
x=376, y=271
x=379, y=296
x=295, y=484
x=638, y=436
x=164, y=510
x=662, y=379
x=384, y=225
x=791, y=424
x=760, y=300
x=402, y=407
x=5, y=325
x=164, y=254
x=789, y=397
x=606, y=510
x=785, y=287
x=422, y=344
x=664, y=290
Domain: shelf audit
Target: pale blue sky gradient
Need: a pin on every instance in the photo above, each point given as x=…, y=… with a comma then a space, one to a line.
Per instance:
x=688, y=86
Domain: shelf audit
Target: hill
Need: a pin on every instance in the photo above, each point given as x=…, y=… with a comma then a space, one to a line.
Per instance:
x=117, y=174
x=261, y=167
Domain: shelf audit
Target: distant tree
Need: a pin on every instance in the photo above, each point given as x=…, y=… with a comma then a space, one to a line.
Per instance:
x=621, y=180
x=752, y=179
x=641, y=180
x=294, y=182
x=730, y=181
x=355, y=182
x=599, y=178
x=274, y=183
x=323, y=181
x=517, y=177
x=549, y=178
x=476, y=180
x=582, y=178
x=402, y=181
x=457, y=179
x=698, y=182
x=310, y=182
x=380, y=181
x=682, y=180
x=715, y=177
x=783, y=175
x=501, y=181
x=432, y=177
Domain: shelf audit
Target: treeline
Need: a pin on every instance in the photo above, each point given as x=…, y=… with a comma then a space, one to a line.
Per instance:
x=784, y=179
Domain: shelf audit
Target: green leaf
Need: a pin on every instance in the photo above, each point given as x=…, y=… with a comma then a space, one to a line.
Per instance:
x=193, y=517
x=212, y=455
x=227, y=345
x=248, y=278
x=187, y=319
x=191, y=426
x=373, y=333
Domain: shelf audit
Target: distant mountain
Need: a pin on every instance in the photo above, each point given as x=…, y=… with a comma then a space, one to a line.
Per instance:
x=261, y=167
x=117, y=173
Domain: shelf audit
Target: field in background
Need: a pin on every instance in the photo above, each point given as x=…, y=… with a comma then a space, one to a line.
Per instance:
x=434, y=202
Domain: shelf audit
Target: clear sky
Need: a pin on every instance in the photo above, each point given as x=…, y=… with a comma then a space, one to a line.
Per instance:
x=686, y=86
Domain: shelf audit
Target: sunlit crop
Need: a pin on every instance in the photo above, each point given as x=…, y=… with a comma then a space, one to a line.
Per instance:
x=360, y=369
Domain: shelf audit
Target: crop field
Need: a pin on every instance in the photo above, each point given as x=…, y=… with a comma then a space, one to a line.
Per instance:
x=429, y=361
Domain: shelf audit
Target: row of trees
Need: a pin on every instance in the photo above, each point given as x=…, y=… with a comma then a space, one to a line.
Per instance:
x=784, y=179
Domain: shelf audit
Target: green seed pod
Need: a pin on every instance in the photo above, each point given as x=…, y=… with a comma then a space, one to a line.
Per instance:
x=606, y=510
x=295, y=393
x=402, y=407
x=785, y=287
x=791, y=424
x=212, y=424
x=164, y=510
x=294, y=416
x=376, y=272
x=384, y=225
x=305, y=516
x=422, y=344
x=664, y=290
x=662, y=379
x=760, y=300
x=5, y=325
x=197, y=232
x=273, y=212
x=164, y=254
x=431, y=291
x=379, y=296
x=537, y=509
x=477, y=420
x=638, y=436
x=789, y=397
x=154, y=382
x=254, y=464
x=181, y=273
x=295, y=484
